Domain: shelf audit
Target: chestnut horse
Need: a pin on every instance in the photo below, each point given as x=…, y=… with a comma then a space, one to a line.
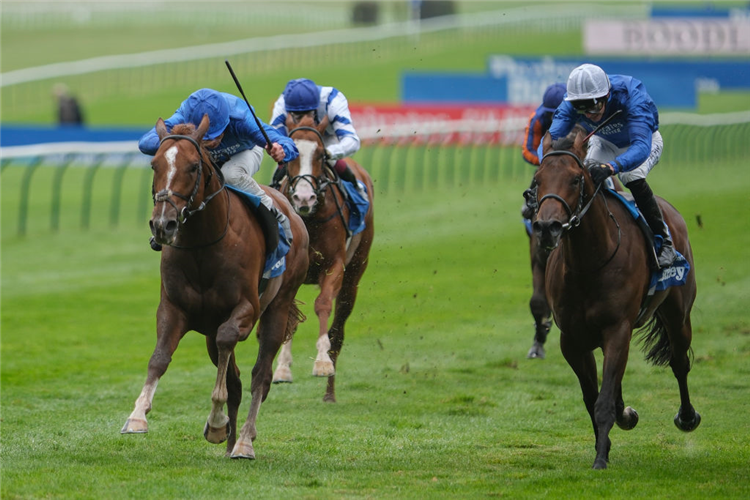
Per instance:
x=597, y=279
x=337, y=259
x=211, y=266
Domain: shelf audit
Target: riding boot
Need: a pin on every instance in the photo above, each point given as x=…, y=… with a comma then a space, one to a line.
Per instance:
x=646, y=202
x=346, y=174
x=252, y=187
x=278, y=176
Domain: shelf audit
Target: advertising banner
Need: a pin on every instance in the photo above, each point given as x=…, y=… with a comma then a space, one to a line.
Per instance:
x=668, y=36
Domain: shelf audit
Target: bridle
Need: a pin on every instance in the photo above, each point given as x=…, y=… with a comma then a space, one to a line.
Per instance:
x=574, y=217
x=165, y=195
x=327, y=180
x=318, y=184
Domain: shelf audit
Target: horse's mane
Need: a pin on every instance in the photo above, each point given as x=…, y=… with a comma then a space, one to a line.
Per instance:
x=566, y=143
x=183, y=129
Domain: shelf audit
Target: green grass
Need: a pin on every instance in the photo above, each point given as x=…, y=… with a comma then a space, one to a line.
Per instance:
x=436, y=398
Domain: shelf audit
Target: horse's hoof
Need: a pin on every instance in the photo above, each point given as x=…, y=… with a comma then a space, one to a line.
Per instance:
x=243, y=450
x=282, y=376
x=216, y=435
x=134, y=426
x=536, y=351
x=687, y=425
x=329, y=398
x=323, y=369
x=629, y=420
x=599, y=464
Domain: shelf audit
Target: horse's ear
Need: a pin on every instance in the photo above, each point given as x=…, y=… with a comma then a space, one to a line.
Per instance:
x=289, y=123
x=546, y=143
x=161, y=129
x=202, y=128
x=323, y=125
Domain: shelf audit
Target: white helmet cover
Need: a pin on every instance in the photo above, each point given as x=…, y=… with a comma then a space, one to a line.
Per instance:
x=587, y=81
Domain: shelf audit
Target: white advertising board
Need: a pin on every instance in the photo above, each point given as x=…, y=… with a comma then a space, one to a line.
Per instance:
x=668, y=36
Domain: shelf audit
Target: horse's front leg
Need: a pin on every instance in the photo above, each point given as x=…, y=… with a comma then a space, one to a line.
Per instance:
x=538, y=303
x=271, y=330
x=170, y=328
x=235, y=329
x=583, y=363
x=330, y=285
x=615, y=349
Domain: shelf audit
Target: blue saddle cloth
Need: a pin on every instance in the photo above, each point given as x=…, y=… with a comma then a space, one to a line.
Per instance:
x=276, y=260
x=358, y=207
x=661, y=279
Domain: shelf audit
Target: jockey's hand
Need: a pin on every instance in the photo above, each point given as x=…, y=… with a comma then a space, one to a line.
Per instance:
x=600, y=173
x=276, y=151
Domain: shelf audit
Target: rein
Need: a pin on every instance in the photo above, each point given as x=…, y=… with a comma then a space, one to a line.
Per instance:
x=319, y=184
x=165, y=195
x=574, y=218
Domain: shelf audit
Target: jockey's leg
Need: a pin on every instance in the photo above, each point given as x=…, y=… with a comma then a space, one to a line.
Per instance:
x=238, y=172
x=646, y=202
x=635, y=180
x=346, y=174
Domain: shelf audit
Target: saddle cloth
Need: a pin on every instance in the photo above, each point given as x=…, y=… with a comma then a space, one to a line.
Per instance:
x=277, y=245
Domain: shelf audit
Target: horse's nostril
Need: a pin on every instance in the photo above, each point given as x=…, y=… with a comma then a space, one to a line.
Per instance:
x=171, y=226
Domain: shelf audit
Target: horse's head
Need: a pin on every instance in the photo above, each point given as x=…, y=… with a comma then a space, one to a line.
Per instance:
x=560, y=185
x=307, y=173
x=177, y=189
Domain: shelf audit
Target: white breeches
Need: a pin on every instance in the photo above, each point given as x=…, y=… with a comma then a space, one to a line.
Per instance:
x=604, y=151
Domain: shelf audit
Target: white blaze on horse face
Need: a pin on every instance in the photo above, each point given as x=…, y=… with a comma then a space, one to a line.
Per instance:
x=171, y=156
x=304, y=190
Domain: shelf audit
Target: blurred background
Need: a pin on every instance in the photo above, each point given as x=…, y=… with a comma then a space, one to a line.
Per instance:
x=81, y=81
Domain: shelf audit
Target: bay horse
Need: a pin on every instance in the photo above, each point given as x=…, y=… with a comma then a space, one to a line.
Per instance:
x=337, y=260
x=540, y=309
x=212, y=262
x=597, y=278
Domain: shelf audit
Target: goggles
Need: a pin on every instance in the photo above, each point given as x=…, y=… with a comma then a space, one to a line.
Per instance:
x=590, y=106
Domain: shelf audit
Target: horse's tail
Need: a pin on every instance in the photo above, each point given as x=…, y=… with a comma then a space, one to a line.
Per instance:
x=295, y=318
x=654, y=341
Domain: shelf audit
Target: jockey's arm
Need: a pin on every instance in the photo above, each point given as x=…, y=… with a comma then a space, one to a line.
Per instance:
x=149, y=143
x=278, y=116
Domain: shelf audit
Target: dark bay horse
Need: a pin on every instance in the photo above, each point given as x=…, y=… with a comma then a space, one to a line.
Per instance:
x=597, y=277
x=540, y=309
x=211, y=266
x=337, y=260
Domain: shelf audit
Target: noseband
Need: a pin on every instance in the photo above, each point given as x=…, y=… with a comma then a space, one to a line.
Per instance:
x=165, y=195
x=318, y=184
x=574, y=218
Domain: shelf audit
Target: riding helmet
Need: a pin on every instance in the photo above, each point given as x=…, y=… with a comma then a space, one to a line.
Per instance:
x=553, y=96
x=211, y=102
x=587, y=81
x=301, y=95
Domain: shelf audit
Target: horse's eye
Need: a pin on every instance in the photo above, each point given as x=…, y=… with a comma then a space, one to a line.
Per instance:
x=576, y=181
x=194, y=168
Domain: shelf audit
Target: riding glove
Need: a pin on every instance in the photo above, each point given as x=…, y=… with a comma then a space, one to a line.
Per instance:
x=600, y=173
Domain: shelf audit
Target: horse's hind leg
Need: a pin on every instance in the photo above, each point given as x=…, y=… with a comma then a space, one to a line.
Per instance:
x=538, y=304
x=680, y=336
x=234, y=390
x=236, y=328
x=271, y=330
x=170, y=330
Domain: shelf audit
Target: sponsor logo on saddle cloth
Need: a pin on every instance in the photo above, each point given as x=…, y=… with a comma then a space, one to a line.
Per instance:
x=661, y=279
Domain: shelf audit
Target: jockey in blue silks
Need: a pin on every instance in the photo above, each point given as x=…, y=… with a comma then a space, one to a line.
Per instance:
x=233, y=140
x=302, y=96
x=629, y=146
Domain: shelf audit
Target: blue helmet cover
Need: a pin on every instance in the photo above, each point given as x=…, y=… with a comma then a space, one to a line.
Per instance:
x=301, y=95
x=553, y=96
x=211, y=102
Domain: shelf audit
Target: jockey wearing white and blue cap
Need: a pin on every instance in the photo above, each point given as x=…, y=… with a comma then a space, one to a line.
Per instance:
x=630, y=145
x=233, y=140
x=302, y=96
